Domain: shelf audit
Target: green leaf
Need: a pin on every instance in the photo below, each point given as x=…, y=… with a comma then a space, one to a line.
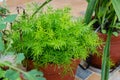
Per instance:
x=2, y=73
x=36, y=75
x=10, y=18
x=88, y=0
x=89, y=11
x=35, y=72
x=12, y=75
x=19, y=58
x=1, y=45
x=106, y=58
x=2, y=26
x=104, y=31
x=101, y=12
x=10, y=53
x=116, y=5
x=115, y=34
x=0, y=34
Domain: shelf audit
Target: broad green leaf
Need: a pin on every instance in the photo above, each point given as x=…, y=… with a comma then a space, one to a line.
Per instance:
x=2, y=73
x=36, y=75
x=115, y=34
x=12, y=75
x=1, y=45
x=35, y=72
x=2, y=26
x=104, y=31
x=10, y=18
x=19, y=58
x=89, y=11
x=116, y=5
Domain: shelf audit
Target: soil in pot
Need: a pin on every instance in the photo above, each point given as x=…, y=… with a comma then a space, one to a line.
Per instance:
x=95, y=60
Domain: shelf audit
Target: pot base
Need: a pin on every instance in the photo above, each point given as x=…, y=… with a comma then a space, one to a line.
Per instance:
x=53, y=72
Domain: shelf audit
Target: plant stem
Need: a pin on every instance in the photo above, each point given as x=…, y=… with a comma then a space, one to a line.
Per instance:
x=46, y=2
x=17, y=69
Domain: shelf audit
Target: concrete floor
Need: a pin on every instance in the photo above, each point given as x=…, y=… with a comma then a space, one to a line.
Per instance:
x=96, y=74
x=78, y=9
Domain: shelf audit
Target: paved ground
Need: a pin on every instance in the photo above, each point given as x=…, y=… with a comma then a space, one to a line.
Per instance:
x=95, y=74
x=78, y=6
x=78, y=9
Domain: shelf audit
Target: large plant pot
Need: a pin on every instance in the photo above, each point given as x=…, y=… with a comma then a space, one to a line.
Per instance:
x=53, y=72
x=96, y=61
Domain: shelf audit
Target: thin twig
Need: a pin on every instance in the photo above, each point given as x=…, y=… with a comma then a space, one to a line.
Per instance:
x=46, y=2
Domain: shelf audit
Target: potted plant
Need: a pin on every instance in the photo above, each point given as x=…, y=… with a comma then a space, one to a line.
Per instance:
x=107, y=16
x=9, y=62
x=53, y=38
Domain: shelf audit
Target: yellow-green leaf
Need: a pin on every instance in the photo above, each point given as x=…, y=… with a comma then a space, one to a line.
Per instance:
x=116, y=5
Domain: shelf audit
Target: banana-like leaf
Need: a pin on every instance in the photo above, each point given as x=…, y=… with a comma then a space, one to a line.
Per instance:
x=116, y=5
x=106, y=58
x=89, y=11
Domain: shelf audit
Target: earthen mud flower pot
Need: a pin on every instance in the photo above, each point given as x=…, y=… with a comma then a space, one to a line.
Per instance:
x=96, y=61
x=54, y=72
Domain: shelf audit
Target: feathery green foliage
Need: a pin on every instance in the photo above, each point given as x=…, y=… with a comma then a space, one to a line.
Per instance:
x=53, y=36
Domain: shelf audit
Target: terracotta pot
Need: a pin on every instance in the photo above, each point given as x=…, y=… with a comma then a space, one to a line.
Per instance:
x=28, y=64
x=96, y=61
x=53, y=72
